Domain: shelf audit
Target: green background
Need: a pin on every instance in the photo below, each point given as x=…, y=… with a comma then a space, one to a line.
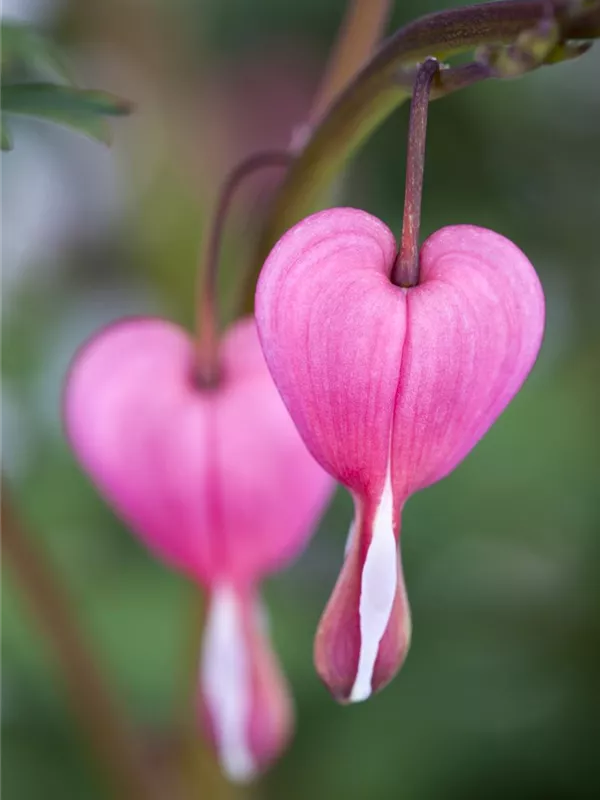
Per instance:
x=500, y=695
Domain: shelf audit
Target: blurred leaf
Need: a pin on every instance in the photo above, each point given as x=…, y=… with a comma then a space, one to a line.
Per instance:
x=22, y=44
x=5, y=137
x=80, y=109
x=47, y=99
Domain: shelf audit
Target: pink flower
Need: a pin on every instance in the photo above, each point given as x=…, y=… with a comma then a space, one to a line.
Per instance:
x=217, y=483
x=390, y=389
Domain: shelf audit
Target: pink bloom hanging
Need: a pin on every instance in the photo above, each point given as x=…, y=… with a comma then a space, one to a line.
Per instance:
x=218, y=484
x=390, y=388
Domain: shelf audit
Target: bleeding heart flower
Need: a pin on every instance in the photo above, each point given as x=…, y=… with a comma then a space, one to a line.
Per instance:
x=390, y=389
x=218, y=483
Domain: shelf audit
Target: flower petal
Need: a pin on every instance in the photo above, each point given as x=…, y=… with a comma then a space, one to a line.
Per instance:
x=332, y=328
x=218, y=482
x=364, y=633
x=475, y=325
x=243, y=699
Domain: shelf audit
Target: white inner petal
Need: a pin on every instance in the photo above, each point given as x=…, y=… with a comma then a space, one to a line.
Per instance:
x=379, y=581
x=225, y=677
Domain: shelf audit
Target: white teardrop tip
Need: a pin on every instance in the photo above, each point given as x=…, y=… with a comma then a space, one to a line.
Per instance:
x=379, y=582
x=360, y=693
x=237, y=768
x=225, y=678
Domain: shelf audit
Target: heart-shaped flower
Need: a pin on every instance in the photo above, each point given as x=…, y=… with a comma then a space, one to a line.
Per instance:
x=390, y=388
x=217, y=483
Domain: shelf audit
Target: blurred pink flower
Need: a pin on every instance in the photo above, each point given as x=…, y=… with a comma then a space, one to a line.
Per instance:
x=390, y=389
x=217, y=483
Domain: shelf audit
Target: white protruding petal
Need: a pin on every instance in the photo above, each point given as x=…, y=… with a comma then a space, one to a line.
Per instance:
x=225, y=677
x=379, y=581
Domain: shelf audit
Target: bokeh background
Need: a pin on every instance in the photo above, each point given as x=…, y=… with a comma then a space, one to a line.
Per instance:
x=500, y=695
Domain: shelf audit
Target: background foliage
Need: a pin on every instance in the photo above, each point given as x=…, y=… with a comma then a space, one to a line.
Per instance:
x=500, y=696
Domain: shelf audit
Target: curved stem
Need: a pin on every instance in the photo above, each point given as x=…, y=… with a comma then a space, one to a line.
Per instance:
x=360, y=31
x=207, y=364
x=405, y=271
x=379, y=88
x=108, y=731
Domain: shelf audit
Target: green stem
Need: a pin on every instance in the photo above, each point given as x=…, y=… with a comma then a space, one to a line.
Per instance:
x=359, y=34
x=108, y=731
x=381, y=86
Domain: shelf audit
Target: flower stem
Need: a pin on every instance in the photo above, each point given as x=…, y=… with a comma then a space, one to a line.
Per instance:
x=360, y=31
x=207, y=362
x=108, y=731
x=405, y=271
x=379, y=88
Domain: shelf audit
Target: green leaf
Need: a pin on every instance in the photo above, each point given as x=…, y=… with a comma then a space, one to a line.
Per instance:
x=22, y=45
x=5, y=137
x=46, y=99
x=82, y=110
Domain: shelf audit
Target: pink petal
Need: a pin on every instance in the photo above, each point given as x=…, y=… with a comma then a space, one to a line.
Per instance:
x=218, y=483
x=332, y=328
x=476, y=322
x=243, y=699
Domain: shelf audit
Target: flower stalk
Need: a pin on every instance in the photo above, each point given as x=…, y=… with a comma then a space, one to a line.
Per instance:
x=387, y=79
x=360, y=31
x=405, y=271
x=207, y=363
x=108, y=731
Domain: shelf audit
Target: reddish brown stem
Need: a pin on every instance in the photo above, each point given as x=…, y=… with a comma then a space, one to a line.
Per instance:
x=109, y=733
x=207, y=363
x=406, y=267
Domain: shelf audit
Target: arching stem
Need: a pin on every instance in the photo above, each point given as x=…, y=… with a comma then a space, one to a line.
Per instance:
x=406, y=267
x=207, y=360
x=359, y=34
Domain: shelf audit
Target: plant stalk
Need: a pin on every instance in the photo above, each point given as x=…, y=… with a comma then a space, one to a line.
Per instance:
x=207, y=352
x=381, y=86
x=359, y=34
x=109, y=732
x=405, y=271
